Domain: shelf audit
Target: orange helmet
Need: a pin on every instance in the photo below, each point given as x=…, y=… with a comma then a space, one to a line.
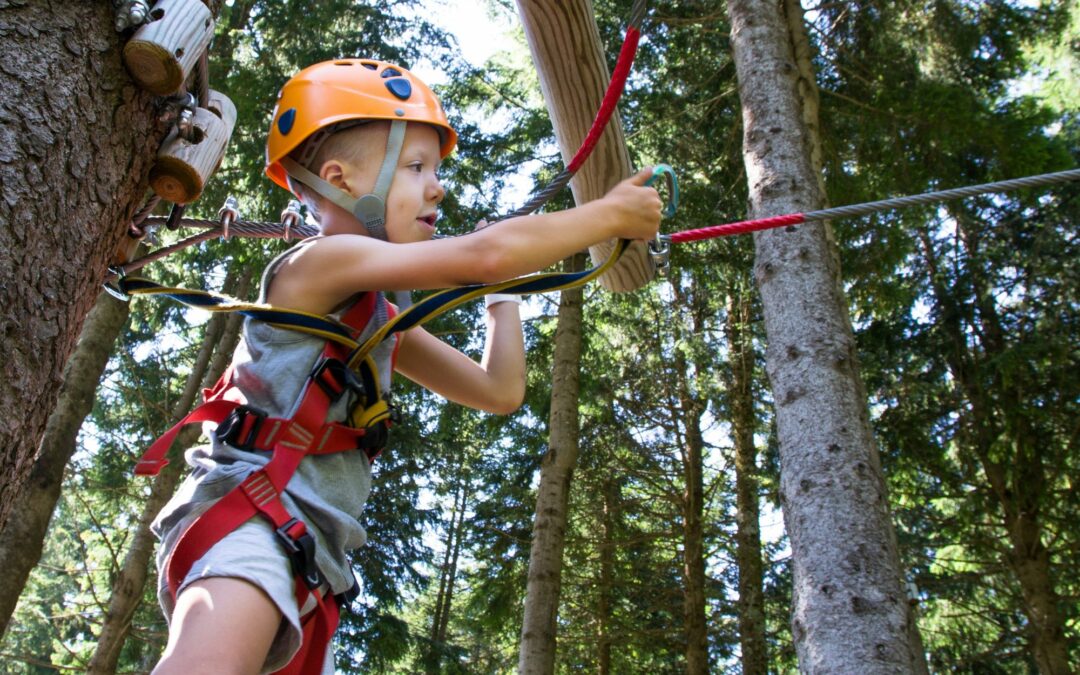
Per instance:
x=332, y=92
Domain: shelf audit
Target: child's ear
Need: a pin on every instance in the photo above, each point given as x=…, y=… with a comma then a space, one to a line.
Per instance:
x=333, y=172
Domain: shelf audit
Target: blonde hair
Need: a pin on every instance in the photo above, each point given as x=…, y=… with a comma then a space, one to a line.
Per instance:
x=352, y=142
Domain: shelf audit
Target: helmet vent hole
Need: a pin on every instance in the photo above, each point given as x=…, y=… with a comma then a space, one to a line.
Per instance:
x=342, y=63
x=391, y=72
x=369, y=66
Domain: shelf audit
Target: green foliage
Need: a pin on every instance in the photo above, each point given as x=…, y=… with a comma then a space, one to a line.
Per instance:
x=914, y=96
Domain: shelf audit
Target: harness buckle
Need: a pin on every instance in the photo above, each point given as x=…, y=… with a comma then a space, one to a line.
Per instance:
x=335, y=378
x=301, y=552
x=232, y=430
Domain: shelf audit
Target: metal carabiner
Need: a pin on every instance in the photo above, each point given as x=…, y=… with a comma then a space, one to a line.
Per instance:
x=660, y=247
x=672, y=187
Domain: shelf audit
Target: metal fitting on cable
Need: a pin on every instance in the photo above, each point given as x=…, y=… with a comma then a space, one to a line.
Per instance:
x=290, y=218
x=185, y=121
x=660, y=252
x=228, y=214
x=130, y=14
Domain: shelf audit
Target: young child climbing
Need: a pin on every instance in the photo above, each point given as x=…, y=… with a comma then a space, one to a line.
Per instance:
x=253, y=559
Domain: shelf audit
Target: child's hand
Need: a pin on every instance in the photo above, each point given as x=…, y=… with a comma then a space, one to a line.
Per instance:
x=635, y=208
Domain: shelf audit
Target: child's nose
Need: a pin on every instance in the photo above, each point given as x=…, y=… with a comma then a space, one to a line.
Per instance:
x=436, y=191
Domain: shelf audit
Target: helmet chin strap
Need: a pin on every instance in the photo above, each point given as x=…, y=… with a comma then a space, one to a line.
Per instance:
x=369, y=209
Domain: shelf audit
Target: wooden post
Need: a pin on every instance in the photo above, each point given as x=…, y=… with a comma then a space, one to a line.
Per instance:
x=184, y=165
x=162, y=53
x=565, y=45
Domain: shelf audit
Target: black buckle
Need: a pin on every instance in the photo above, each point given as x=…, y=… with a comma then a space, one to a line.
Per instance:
x=301, y=552
x=343, y=379
x=346, y=599
x=229, y=430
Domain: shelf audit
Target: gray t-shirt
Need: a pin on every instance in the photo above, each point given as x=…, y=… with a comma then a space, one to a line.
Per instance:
x=327, y=492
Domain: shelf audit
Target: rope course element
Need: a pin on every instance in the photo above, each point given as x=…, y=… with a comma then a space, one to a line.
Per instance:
x=855, y=210
x=603, y=116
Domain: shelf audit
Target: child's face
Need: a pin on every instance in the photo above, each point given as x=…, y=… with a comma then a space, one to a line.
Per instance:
x=411, y=206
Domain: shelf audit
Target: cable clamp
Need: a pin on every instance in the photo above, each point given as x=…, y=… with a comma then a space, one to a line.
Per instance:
x=660, y=252
x=228, y=214
x=290, y=218
x=130, y=14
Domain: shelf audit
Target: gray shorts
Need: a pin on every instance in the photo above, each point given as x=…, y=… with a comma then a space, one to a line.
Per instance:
x=253, y=553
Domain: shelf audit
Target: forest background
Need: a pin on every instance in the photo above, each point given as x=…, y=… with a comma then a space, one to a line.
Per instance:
x=965, y=315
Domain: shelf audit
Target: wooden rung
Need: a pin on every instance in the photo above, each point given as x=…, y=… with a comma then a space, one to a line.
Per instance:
x=162, y=53
x=183, y=166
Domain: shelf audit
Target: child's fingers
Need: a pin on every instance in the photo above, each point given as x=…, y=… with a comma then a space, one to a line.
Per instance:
x=641, y=176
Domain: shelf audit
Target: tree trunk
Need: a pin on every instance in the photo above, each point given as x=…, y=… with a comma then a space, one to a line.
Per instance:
x=69, y=111
x=433, y=657
x=219, y=341
x=850, y=613
x=692, y=503
x=1017, y=481
x=456, y=537
x=755, y=659
x=537, y=651
x=21, y=541
x=573, y=89
x=607, y=577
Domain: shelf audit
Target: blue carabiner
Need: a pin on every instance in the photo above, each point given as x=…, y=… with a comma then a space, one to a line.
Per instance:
x=672, y=185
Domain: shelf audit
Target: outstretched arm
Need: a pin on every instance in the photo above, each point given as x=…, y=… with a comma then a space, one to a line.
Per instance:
x=330, y=270
x=496, y=384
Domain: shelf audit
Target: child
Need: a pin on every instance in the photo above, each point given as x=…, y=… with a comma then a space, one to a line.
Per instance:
x=360, y=142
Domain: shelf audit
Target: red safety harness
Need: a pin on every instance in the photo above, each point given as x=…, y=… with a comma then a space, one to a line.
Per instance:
x=290, y=440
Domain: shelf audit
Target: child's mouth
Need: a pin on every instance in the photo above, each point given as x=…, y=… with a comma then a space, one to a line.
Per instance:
x=430, y=220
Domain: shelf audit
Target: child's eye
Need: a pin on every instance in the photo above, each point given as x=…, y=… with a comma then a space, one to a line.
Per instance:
x=417, y=167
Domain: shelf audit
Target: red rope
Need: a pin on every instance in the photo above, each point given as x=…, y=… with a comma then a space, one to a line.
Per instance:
x=611, y=97
x=741, y=227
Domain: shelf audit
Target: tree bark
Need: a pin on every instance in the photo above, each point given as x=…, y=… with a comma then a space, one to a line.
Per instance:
x=538, y=630
x=69, y=112
x=692, y=501
x=610, y=490
x=850, y=613
x=573, y=89
x=219, y=341
x=755, y=659
x=21, y=541
x=456, y=537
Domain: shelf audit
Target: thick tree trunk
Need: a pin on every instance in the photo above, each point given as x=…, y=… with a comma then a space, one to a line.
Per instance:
x=755, y=660
x=21, y=540
x=850, y=612
x=538, y=631
x=69, y=112
x=219, y=341
x=573, y=89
